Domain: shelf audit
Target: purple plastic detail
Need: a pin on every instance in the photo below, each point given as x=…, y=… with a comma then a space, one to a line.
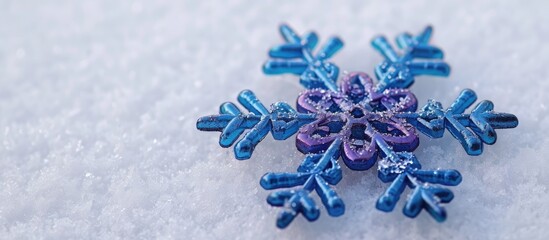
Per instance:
x=355, y=115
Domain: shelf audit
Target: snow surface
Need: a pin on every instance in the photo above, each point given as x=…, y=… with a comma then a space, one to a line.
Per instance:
x=99, y=101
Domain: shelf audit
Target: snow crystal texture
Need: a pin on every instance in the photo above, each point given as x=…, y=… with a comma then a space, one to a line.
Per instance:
x=99, y=101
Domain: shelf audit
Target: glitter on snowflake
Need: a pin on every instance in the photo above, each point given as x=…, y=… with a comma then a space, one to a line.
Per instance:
x=359, y=122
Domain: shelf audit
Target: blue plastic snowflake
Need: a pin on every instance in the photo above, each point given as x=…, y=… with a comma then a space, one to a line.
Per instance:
x=359, y=122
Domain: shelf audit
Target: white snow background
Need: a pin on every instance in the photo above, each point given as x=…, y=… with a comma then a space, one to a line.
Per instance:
x=99, y=101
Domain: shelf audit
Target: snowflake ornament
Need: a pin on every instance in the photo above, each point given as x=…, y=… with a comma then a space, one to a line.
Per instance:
x=359, y=122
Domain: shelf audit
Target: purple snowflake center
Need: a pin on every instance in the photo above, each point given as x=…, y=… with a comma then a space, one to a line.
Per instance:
x=356, y=114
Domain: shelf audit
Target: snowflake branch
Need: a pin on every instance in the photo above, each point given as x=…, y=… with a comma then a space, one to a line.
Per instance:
x=399, y=71
x=296, y=57
x=471, y=130
x=282, y=121
x=316, y=173
x=402, y=169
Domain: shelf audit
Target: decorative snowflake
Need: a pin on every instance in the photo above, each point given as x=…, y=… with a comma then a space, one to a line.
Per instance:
x=359, y=122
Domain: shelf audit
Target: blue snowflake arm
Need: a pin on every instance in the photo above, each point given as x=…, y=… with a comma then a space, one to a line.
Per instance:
x=471, y=130
x=316, y=173
x=399, y=71
x=403, y=169
x=282, y=121
x=296, y=56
